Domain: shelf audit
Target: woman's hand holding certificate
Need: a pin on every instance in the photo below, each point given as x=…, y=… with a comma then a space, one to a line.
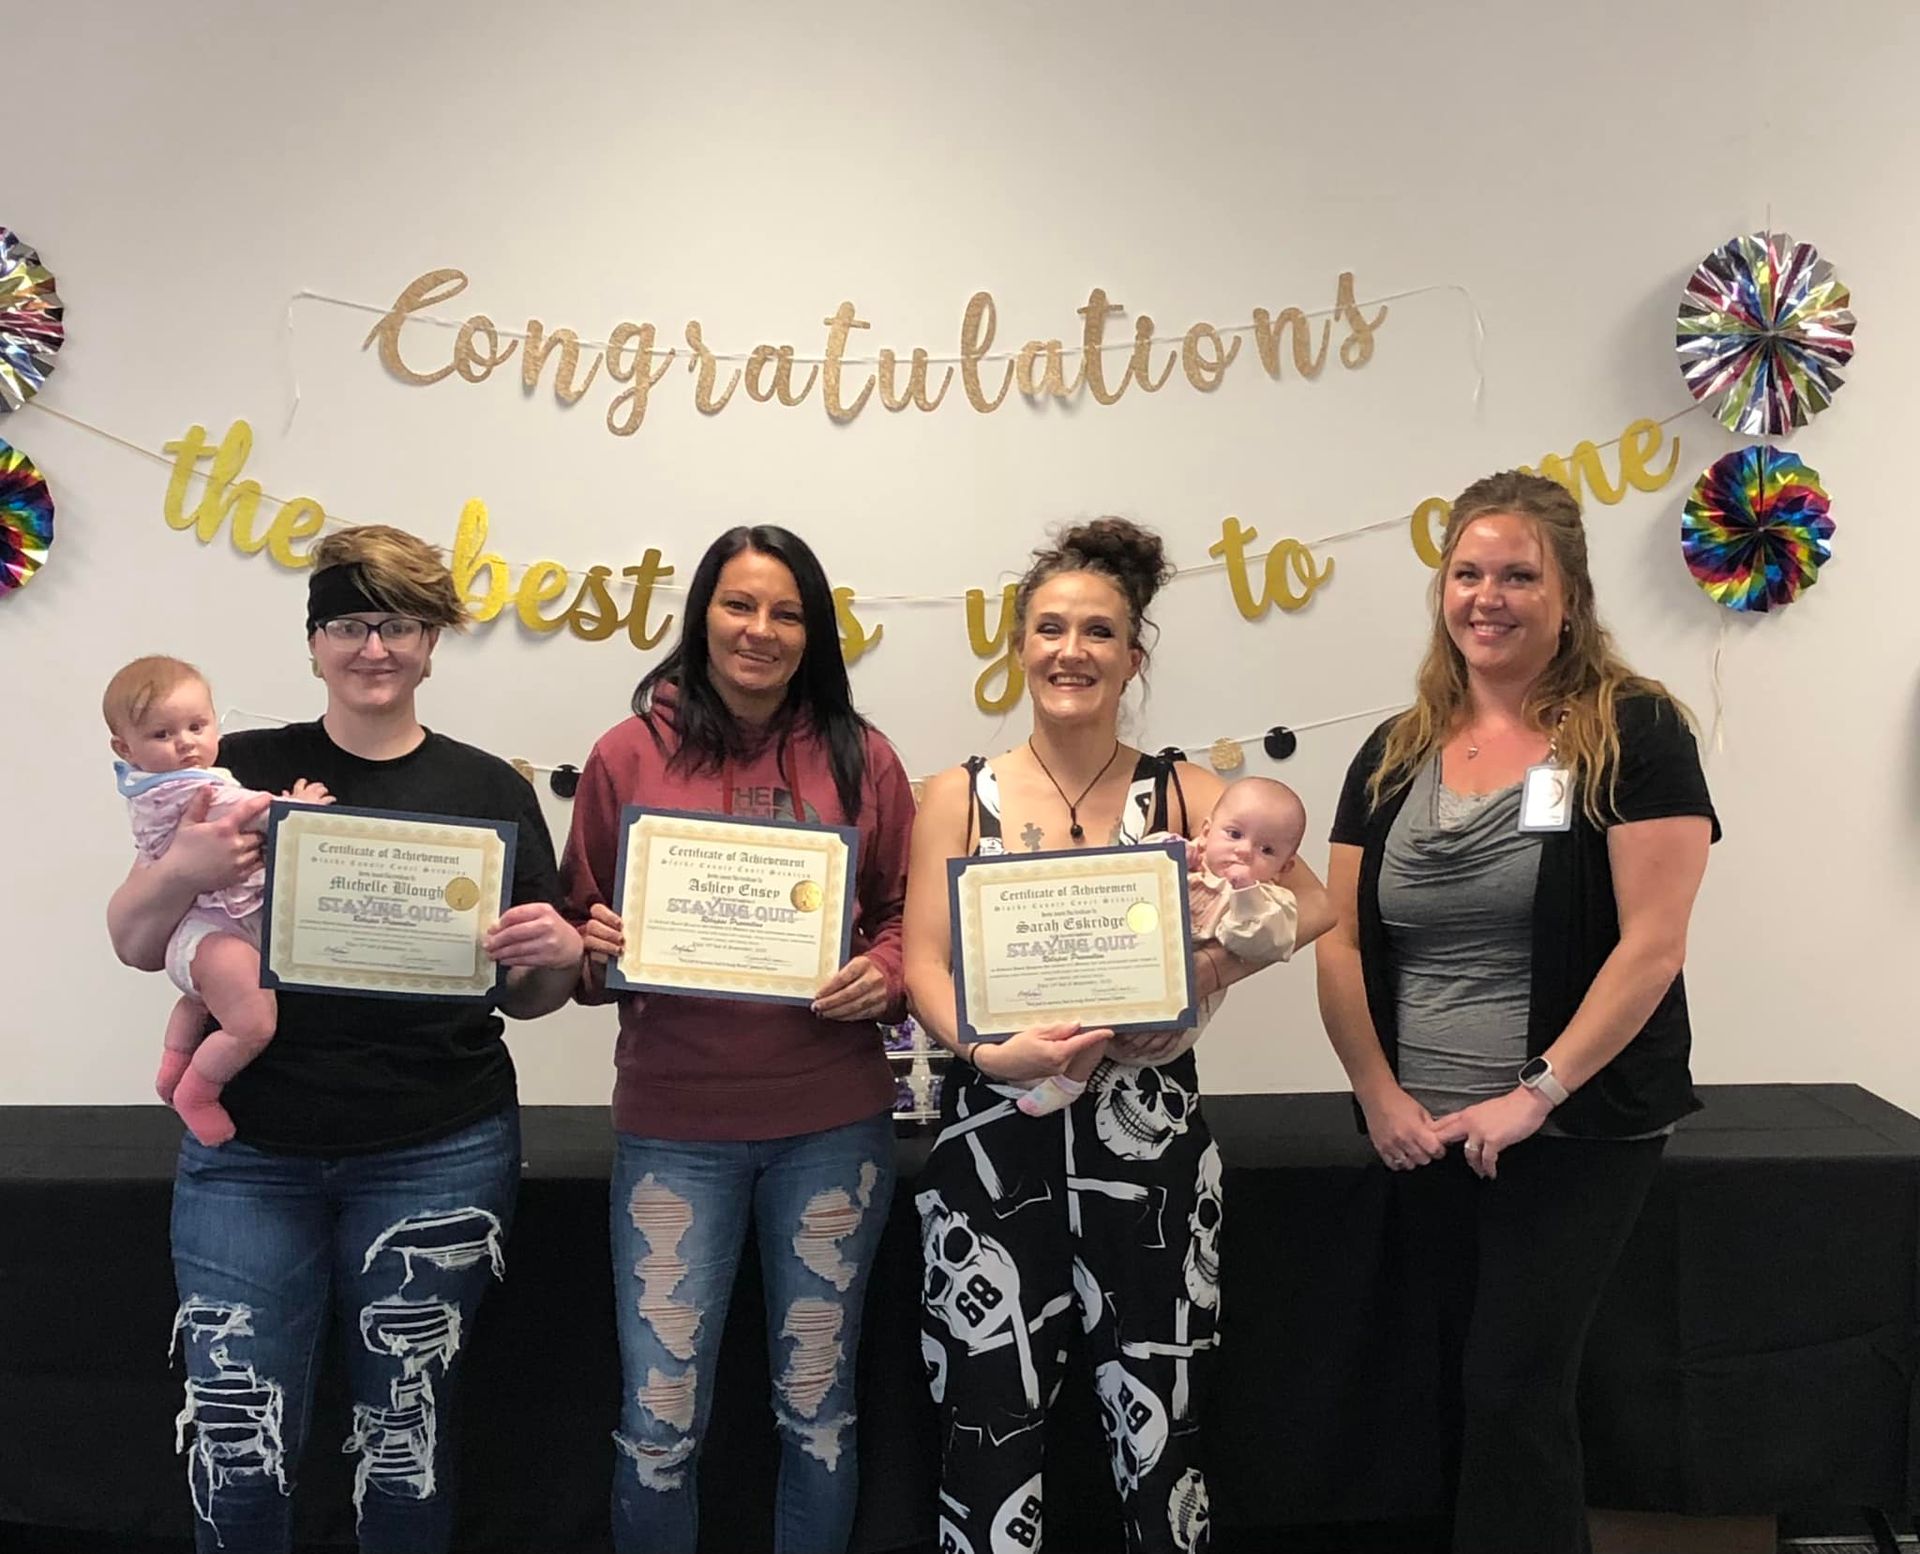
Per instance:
x=1036, y=1053
x=857, y=991
x=532, y=934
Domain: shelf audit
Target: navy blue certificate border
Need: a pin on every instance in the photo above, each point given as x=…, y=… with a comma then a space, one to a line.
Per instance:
x=508, y=831
x=630, y=813
x=1189, y=1015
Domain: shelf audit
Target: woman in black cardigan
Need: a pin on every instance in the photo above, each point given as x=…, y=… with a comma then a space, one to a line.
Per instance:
x=1515, y=860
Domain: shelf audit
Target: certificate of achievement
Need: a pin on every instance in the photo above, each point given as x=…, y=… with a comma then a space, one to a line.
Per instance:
x=753, y=909
x=374, y=902
x=1097, y=935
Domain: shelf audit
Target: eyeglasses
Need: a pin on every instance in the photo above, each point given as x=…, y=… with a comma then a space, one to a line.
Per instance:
x=394, y=631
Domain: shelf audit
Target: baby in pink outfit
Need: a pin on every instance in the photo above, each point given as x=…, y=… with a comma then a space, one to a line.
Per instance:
x=1234, y=898
x=165, y=734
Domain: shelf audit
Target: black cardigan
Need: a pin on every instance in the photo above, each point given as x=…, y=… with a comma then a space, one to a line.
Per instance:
x=1576, y=923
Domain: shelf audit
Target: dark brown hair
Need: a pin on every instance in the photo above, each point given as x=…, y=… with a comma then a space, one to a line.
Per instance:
x=1125, y=554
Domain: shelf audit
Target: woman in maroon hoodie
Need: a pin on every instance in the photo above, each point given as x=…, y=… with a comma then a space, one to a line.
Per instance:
x=730, y=1113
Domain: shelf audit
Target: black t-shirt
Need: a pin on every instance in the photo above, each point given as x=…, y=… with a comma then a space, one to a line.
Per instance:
x=347, y=1075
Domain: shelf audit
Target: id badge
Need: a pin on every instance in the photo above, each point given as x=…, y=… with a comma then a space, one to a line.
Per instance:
x=1546, y=798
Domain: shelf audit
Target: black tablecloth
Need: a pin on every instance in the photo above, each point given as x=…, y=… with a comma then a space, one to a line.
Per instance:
x=1757, y=1352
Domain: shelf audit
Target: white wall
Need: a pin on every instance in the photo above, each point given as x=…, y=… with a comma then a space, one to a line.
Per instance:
x=191, y=166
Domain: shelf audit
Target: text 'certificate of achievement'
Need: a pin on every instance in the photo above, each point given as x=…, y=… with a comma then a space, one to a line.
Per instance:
x=753, y=909
x=1097, y=935
x=380, y=903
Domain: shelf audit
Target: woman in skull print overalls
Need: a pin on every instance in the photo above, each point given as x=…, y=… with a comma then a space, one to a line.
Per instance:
x=1106, y=1215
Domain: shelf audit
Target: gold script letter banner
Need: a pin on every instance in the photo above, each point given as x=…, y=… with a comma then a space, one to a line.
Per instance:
x=635, y=363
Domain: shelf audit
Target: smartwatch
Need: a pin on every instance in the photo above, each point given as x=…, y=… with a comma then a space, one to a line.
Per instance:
x=1537, y=1075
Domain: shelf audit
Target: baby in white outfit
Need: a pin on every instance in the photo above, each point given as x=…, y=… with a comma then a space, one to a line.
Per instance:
x=1234, y=898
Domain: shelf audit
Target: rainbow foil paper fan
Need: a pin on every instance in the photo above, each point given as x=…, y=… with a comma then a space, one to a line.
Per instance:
x=1755, y=530
x=1763, y=332
x=26, y=519
x=31, y=327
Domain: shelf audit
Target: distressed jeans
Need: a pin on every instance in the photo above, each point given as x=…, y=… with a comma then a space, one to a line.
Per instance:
x=397, y=1247
x=680, y=1215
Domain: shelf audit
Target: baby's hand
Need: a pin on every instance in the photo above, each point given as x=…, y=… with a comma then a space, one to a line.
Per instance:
x=1240, y=875
x=304, y=792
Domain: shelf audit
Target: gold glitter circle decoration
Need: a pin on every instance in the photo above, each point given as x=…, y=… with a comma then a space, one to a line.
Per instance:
x=1226, y=755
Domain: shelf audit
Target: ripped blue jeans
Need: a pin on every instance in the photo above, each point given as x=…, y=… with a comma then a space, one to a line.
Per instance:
x=680, y=1215
x=397, y=1247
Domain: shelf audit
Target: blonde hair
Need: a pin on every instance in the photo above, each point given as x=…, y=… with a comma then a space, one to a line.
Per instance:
x=138, y=686
x=1576, y=695
x=400, y=570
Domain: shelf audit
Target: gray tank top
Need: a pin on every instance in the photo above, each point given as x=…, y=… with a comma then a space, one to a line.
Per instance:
x=1457, y=886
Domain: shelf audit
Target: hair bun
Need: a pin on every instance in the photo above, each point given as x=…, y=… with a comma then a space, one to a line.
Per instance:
x=1134, y=555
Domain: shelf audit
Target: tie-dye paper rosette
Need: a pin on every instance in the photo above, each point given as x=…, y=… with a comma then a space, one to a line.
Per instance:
x=26, y=519
x=31, y=327
x=1755, y=529
x=1763, y=332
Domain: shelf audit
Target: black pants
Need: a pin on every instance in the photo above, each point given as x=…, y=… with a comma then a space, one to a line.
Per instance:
x=1102, y=1218
x=1509, y=1274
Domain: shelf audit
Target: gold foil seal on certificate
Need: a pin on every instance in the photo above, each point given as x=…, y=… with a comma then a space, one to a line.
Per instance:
x=461, y=893
x=1142, y=918
x=806, y=896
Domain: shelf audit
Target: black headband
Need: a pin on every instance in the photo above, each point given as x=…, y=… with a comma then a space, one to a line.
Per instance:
x=338, y=591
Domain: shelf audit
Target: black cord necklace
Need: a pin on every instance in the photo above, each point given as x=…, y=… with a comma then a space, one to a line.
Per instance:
x=1074, y=828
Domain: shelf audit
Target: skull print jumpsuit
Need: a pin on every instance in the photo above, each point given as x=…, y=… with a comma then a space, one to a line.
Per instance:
x=1103, y=1218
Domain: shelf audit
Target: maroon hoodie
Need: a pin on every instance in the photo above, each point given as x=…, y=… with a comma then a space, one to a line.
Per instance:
x=711, y=1068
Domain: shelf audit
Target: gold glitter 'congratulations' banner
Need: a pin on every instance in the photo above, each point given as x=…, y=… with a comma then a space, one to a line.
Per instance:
x=1039, y=370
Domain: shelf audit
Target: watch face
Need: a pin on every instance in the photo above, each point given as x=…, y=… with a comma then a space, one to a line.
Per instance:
x=1533, y=1071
